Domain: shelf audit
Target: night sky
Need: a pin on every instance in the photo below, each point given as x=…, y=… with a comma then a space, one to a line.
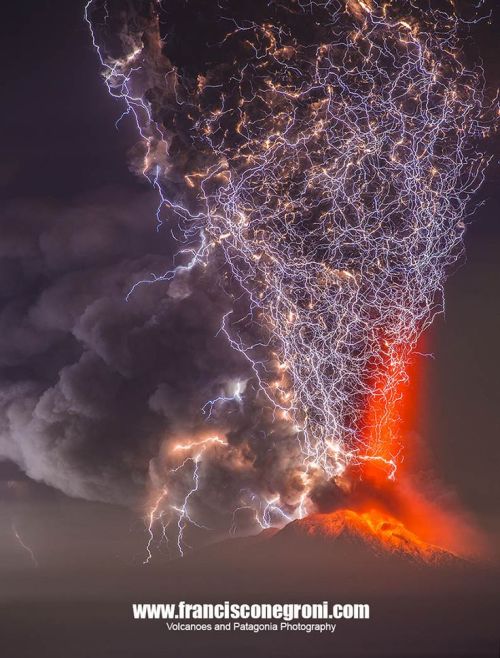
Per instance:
x=77, y=227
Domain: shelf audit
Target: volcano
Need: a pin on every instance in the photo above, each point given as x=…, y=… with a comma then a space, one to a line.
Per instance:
x=364, y=533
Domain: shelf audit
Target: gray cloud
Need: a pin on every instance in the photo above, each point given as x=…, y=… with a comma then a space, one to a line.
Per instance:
x=91, y=384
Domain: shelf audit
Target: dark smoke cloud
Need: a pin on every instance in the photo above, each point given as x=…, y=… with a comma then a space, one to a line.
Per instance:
x=92, y=384
x=93, y=388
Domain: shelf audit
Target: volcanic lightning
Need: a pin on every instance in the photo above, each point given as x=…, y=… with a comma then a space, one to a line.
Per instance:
x=328, y=153
x=24, y=545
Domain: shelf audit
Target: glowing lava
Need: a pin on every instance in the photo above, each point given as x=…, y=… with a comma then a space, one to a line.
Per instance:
x=379, y=532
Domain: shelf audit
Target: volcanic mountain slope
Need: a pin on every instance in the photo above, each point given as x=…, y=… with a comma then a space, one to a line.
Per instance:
x=357, y=533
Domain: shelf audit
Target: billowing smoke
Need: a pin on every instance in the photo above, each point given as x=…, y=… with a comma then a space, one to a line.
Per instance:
x=93, y=387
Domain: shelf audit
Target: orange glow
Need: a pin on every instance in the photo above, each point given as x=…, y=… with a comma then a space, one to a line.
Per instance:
x=400, y=505
x=202, y=443
x=381, y=532
x=389, y=420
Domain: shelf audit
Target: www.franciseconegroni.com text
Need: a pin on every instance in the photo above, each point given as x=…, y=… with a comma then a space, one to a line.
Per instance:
x=256, y=617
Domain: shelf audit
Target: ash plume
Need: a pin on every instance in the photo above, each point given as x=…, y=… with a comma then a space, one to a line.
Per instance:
x=91, y=385
x=323, y=154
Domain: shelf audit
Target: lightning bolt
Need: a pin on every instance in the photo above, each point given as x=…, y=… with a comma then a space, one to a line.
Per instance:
x=154, y=516
x=239, y=388
x=160, y=512
x=23, y=545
